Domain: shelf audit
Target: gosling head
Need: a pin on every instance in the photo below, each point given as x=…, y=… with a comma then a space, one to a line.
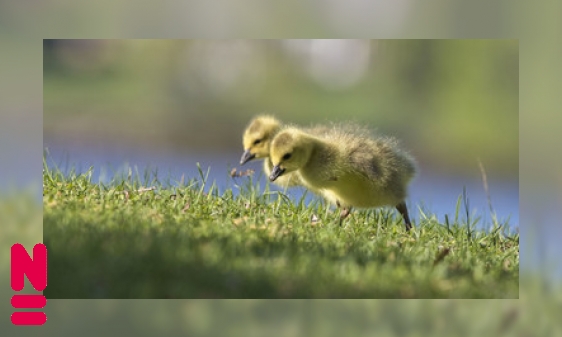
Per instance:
x=290, y=150
x=257, y=138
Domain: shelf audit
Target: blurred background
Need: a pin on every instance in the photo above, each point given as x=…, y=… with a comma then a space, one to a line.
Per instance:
x=537, y=25
x=169, y=104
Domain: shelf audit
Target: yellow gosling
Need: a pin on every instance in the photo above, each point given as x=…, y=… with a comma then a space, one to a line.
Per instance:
x=257, y=139
x=347, y=166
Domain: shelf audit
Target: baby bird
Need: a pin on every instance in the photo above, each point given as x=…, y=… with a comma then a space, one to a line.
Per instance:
x=257, y=139
x=348, y=167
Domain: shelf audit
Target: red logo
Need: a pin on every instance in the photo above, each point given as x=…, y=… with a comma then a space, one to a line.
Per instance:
x=36, y=271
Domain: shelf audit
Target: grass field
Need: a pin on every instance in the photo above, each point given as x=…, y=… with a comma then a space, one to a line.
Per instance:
x=140, y=238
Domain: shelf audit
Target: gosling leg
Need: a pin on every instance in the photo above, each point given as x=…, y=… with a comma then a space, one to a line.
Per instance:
x=344, y=212
x=401, y=207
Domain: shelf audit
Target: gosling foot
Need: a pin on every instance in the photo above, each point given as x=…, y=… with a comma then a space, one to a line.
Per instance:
x=401, y=207
x=344, y=213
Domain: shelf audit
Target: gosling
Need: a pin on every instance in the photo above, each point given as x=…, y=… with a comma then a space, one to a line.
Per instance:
x=257, y=139
x=349, y=168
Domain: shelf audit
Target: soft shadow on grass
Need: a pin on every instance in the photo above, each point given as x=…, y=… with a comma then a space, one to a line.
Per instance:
x=133, y=239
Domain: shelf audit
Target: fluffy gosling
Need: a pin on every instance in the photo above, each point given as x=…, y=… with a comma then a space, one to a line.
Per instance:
x=257, y=139
x=349, y=168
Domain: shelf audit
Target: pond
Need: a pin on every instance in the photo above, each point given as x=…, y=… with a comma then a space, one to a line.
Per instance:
x=432, y=193
x=429, y=193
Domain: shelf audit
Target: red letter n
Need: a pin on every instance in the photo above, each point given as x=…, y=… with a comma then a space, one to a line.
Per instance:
x=35, y=268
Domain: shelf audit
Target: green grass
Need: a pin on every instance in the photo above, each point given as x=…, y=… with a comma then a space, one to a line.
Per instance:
x=120, y=240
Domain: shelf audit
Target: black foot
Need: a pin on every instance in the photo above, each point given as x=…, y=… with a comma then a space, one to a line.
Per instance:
x=401, y=207
x=344, y=213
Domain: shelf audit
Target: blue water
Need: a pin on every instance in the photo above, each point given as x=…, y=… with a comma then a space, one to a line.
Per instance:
x=436, y=194
x=433, y=193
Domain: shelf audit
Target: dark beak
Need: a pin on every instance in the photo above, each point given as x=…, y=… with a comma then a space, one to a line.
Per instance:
x=246, y=157
x=276, y=172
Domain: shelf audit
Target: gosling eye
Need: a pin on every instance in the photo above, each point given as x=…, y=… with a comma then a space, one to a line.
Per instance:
x=257, y=141
x=287, y=156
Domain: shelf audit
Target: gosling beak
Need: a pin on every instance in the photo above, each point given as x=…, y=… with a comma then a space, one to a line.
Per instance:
x=246, y=157
x=276, y=172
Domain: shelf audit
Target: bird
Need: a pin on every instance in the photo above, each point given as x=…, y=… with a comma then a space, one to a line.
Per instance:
x=347, y=166
x=256, y=141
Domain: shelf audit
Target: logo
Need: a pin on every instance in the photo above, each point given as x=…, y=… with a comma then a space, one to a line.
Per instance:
x=35, y=268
